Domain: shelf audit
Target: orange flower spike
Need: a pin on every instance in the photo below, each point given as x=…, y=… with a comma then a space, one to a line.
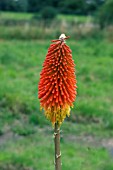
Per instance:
x=57, y=86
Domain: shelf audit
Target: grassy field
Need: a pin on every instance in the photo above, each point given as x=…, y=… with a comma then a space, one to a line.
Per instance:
x=29, y=16
x=15, y=16
x=23, y=26
x=26, y=141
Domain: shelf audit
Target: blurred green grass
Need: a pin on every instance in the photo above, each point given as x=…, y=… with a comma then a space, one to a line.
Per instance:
x=26, y=136
x=25, y=26
x=13, y=15
x=76, y=18
x=29, y=16
x=36, y=152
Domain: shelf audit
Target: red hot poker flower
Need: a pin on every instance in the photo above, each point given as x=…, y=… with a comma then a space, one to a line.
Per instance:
x=57, y=86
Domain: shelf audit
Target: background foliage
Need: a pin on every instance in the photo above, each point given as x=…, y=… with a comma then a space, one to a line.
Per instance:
x=26, y=141
x=72, y=6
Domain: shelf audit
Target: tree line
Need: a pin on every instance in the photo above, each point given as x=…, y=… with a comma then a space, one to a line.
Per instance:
x=80, y=7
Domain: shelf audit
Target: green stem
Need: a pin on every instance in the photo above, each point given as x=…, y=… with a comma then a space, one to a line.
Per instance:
x=57, y=147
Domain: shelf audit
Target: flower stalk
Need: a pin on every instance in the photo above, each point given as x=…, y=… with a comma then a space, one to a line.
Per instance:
x=57, y=147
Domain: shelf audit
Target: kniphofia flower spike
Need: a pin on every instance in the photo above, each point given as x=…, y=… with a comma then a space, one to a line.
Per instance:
x=57, y=86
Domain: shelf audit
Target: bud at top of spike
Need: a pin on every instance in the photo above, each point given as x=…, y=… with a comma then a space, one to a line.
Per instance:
x=57, y=86
x=62, y=36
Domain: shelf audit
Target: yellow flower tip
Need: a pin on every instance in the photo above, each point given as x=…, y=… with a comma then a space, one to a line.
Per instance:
x=41, y=108
x=68, y=111
x=57, y=115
